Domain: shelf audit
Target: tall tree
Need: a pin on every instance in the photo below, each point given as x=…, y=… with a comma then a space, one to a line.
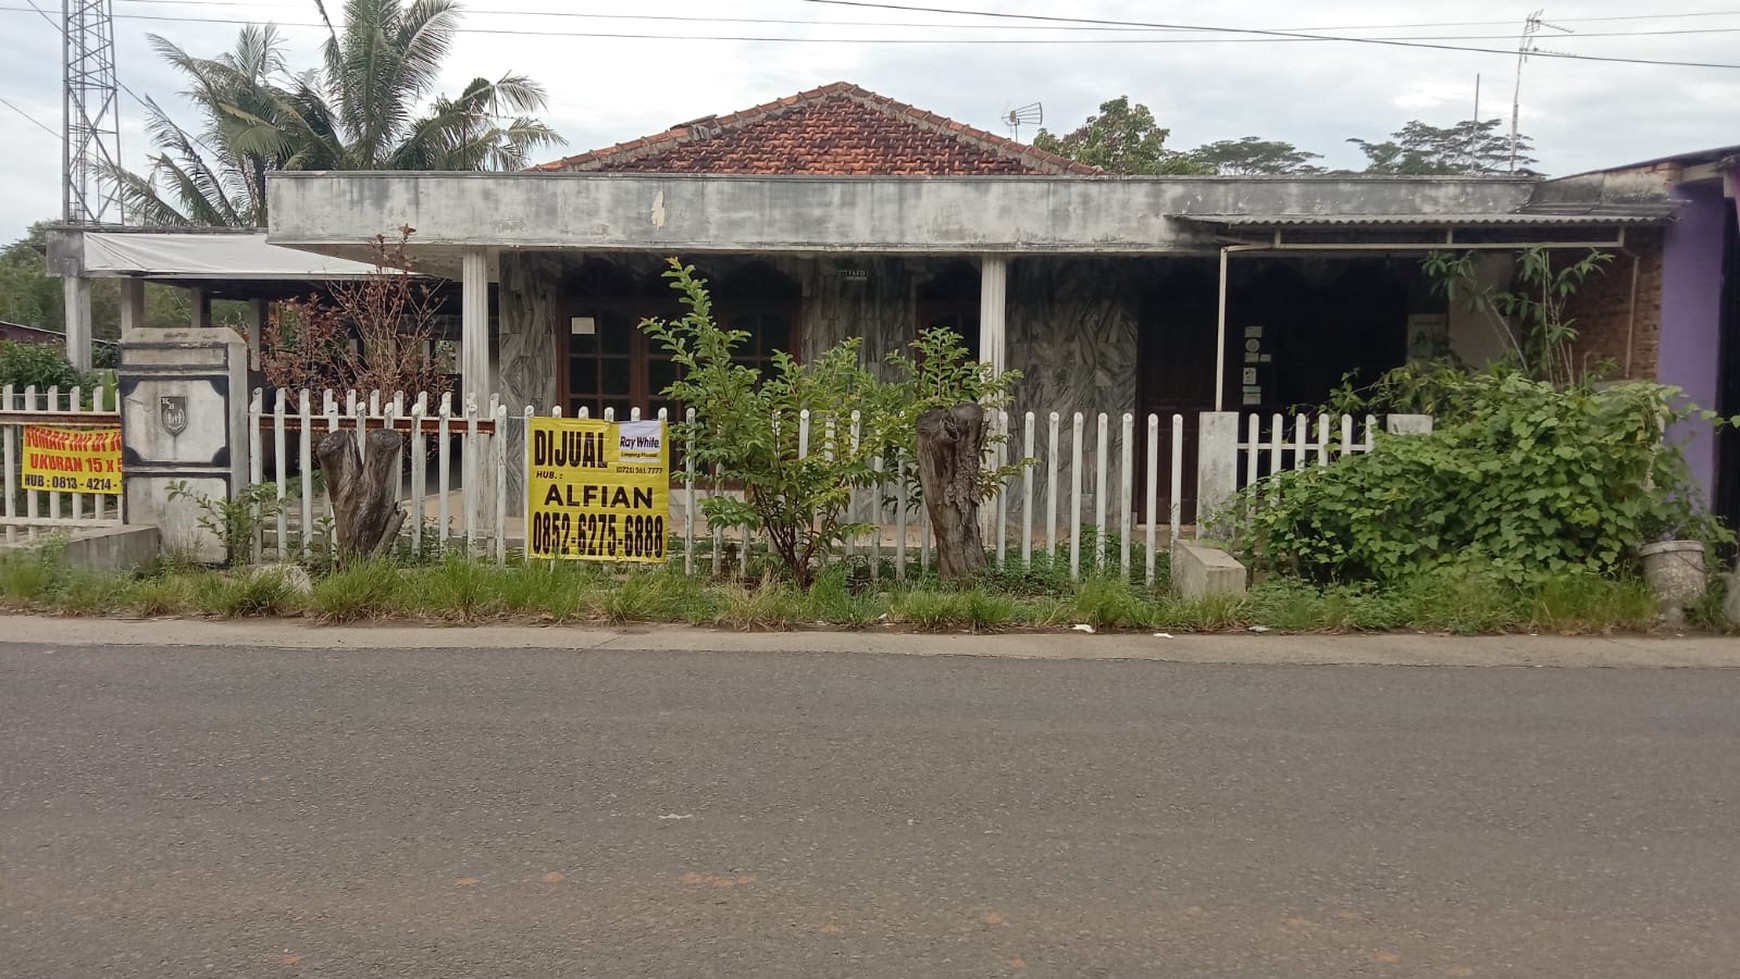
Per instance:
x=1251, y=156
x=1123, y=138
x=372, y=106
x=1468, y=147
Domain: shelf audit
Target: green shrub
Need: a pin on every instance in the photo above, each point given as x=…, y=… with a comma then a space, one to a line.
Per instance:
x=24, y=364
x=1534, y=480
x=460, y=589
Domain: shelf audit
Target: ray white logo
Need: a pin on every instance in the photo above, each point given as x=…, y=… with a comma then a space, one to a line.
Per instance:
x=640, y=441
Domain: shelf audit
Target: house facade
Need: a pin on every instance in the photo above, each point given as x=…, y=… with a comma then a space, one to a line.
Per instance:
x=838, y=213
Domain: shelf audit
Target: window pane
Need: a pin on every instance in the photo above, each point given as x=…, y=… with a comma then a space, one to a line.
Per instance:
x=617, y=330
x=586, y=343
x=617, y=375
x=583, y=376
x=660, y=375
x=775, y=333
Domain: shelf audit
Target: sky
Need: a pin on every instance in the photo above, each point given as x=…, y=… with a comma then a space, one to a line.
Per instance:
x=690, y=60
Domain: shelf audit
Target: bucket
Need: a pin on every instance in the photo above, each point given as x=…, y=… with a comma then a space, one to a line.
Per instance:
x=1674, y=570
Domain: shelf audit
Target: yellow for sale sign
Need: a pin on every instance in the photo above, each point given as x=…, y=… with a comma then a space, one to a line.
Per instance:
x=597, y=490
x=72, y=460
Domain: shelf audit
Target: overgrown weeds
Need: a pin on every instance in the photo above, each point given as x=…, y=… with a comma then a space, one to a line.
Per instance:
x=1466, y=601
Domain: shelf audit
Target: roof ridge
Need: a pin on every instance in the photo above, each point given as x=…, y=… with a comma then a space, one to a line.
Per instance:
x=709, y=126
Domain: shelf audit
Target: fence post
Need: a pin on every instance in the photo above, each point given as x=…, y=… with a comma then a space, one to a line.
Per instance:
x=1408, y=424
x=1027, y=491
x=256, y=463
x=1175, y=507
x=419, y=473
x=1102, y=532
x=499, y=458
x=1126, y=488
x=1075, y=497
x=1051, y=493
x=280, y=468
x=1153, y=494
x=1217, y=464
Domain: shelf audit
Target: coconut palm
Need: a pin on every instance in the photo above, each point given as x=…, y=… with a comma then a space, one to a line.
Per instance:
x=370, y=107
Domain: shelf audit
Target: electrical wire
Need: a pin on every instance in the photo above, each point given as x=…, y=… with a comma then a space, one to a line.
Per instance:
x=38, y=122
x=1261, y=37
x=1391, y=42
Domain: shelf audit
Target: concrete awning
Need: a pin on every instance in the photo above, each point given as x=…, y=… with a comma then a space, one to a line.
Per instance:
x=194, y=257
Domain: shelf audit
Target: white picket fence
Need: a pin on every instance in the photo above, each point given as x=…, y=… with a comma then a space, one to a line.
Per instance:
x=30, y=514
x=1081, y=489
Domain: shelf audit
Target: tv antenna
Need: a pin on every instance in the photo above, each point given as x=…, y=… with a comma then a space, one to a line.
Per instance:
x=91, y=115
x=1031, y=114
x=1526, y=46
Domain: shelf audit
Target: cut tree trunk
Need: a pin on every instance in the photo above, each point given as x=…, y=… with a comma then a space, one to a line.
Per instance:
x=951, y=446
x=365, y=516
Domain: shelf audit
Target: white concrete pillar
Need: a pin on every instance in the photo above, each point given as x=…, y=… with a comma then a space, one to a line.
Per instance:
x=474, y=324
x=132, y=304
x=200, y=301
x=994, y=311
x=77, y=292
x=256, y=322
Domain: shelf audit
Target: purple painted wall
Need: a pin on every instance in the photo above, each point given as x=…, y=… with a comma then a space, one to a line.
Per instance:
x=1691, y=302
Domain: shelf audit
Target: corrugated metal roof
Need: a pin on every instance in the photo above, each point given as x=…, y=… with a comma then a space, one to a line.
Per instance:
x=1525, y=219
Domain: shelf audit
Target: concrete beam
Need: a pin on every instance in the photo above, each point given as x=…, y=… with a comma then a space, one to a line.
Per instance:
x=338, y=213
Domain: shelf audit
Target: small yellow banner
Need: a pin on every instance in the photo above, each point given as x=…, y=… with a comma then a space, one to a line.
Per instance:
x=72, y=460
x=597, y=490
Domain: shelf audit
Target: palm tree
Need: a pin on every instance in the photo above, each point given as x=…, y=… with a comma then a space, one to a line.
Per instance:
x=362, y=111
x=217, y=177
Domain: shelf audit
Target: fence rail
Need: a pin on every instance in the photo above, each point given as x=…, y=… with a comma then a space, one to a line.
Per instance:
x=1077, y=494
x=30, y=514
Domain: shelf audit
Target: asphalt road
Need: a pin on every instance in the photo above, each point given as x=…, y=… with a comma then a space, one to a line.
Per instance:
x=434, y=813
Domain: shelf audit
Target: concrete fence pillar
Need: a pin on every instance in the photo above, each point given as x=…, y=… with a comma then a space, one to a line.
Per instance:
x=184, y=418
x=1217, y=464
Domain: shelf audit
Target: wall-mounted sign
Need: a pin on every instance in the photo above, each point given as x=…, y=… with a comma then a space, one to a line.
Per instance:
x=72, y=460
x=597, y=490
x=854, y=275
x=582, y=326
x=1250, y=375
x=1254, y=332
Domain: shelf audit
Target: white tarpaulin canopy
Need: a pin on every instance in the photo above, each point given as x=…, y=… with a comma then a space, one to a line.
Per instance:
x=237, y=257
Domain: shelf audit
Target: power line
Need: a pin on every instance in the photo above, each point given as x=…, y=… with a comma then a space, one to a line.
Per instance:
x=1263, y=37
x=1391, y=42
x=932, y=25
x=45, y=127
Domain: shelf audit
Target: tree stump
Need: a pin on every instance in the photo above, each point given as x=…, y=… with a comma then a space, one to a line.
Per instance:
x=365, y=516
x=951, y=446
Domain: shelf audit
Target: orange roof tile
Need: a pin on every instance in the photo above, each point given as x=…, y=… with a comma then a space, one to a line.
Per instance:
x=838, y=129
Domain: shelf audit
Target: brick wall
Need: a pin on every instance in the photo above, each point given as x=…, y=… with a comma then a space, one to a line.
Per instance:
x=1602, y=309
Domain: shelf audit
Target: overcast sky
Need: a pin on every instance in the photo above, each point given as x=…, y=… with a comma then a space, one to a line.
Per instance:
x=1581, y=114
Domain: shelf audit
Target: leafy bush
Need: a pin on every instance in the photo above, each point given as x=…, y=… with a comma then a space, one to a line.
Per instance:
x=1534, y=479
x=746, y=432
x=24, y=364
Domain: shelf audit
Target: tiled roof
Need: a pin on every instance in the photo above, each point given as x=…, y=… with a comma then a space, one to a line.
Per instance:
x=835, y=130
